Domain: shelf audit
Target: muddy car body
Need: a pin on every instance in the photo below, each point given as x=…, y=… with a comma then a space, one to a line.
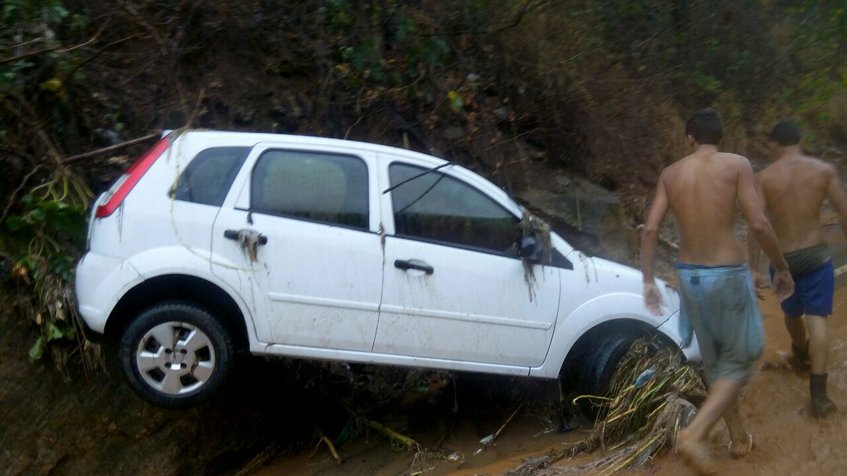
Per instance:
x=316, y=248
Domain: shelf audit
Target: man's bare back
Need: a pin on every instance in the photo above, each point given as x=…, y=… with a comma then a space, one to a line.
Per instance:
x=702, y=189
x=794, y=188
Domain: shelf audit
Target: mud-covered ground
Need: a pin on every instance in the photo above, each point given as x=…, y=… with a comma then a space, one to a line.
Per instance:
x=788, y=441
x=75, y=424
x=775, y=405
x=269, y=419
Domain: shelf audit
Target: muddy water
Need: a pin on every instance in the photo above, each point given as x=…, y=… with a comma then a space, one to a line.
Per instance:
x=788, y=441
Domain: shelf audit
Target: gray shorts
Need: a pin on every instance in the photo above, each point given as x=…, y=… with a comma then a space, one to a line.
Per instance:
x=720, y=303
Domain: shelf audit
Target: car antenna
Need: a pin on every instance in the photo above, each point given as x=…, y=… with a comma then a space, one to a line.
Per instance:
x=425, y=172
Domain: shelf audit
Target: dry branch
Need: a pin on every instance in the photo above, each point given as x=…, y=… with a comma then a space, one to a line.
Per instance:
x=59, y=49
x=490, y=439
x=74, y=158
x=322, y=438
x=405, y=441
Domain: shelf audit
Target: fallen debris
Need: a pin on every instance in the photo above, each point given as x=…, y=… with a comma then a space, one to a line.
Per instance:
x=396, y=438
x=322, y=438
x=651, y=392
x=489, y=440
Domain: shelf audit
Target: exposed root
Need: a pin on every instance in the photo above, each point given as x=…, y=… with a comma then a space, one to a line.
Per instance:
x=396, y=438
x=325, y=440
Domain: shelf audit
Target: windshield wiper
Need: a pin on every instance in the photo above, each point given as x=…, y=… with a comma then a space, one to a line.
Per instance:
x=425, y=172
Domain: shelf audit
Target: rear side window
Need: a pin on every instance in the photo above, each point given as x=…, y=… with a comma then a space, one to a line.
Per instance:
x=325, y=188
x=208, y=177
x=437, y=207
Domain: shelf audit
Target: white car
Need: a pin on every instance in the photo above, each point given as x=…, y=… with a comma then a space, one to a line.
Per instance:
x=216, y=242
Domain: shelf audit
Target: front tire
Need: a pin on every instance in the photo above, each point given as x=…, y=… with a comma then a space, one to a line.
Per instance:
x=175, y=355
x=599, y=366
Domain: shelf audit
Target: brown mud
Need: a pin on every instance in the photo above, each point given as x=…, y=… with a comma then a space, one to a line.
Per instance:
x=774, y=405
x=265, y=422
x=787, y=440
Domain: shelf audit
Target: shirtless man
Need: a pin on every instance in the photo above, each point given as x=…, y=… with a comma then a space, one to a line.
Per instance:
x=716, y=287
x=794, y=188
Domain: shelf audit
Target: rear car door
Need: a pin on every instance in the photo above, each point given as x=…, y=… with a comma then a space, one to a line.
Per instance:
x=454, y=286
x=300, y=241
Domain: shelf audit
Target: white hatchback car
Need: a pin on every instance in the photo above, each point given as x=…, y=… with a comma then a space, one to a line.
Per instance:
x=215, y=242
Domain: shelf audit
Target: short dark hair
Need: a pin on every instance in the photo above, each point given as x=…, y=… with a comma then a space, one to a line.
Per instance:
x=705, y=126
x=786, y=133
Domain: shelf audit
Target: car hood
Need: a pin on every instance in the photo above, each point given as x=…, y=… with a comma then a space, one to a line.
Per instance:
x=608, y=276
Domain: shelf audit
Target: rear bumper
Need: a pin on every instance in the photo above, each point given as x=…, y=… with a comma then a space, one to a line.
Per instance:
x=100, y=282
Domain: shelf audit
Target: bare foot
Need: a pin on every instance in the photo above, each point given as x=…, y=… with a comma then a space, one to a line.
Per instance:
x=738, y=450
x=697, y=456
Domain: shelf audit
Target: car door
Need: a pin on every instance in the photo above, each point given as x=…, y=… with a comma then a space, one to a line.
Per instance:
x=300, y=241
x=454, y=287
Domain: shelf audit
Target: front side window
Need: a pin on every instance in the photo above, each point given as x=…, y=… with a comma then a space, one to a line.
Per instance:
x=440, y=208
x=325, y=188
x=209, y=176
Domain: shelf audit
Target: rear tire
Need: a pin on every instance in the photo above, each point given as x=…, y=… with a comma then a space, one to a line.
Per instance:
x=175, y=354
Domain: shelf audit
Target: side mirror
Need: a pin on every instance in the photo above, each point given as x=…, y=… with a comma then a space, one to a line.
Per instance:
x=530, y=248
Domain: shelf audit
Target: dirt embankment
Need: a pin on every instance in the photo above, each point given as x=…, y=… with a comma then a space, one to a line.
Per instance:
x=74, y=424
x=81, y=425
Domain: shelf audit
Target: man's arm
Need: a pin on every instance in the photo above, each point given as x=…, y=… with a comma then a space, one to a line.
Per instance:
x=649, y=242
x=753, y=250
x=758, y=224
x=837, y=198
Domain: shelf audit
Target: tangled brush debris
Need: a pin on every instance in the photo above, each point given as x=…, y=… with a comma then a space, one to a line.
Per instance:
x=651, y=400
x=535, y=247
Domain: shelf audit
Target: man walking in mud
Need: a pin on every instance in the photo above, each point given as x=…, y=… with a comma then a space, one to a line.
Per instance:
x=716, y=288
x=794, y=187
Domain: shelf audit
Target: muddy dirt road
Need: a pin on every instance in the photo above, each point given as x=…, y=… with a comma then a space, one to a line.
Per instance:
x=775, y=405
x=788, y=441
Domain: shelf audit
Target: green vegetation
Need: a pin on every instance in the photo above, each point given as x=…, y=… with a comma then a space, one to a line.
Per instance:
x=43, y=221
x=519, y=90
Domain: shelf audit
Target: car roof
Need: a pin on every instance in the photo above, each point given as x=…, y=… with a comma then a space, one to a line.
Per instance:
x=218, y=138
x=233, y=138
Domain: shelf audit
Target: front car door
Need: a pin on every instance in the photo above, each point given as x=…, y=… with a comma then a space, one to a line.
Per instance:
x=454, y=287
x=315, y=277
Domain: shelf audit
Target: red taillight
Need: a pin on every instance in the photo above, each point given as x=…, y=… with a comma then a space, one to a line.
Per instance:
x=133, y=175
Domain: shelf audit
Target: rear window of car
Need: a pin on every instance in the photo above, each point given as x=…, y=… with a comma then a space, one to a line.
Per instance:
x=314, y=186
x=209, y=175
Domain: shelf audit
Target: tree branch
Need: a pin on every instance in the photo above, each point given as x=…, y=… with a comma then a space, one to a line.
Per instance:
x=76, y=158
x=59, y=49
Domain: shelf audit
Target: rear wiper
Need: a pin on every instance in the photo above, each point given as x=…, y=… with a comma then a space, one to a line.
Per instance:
x=425, y=172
